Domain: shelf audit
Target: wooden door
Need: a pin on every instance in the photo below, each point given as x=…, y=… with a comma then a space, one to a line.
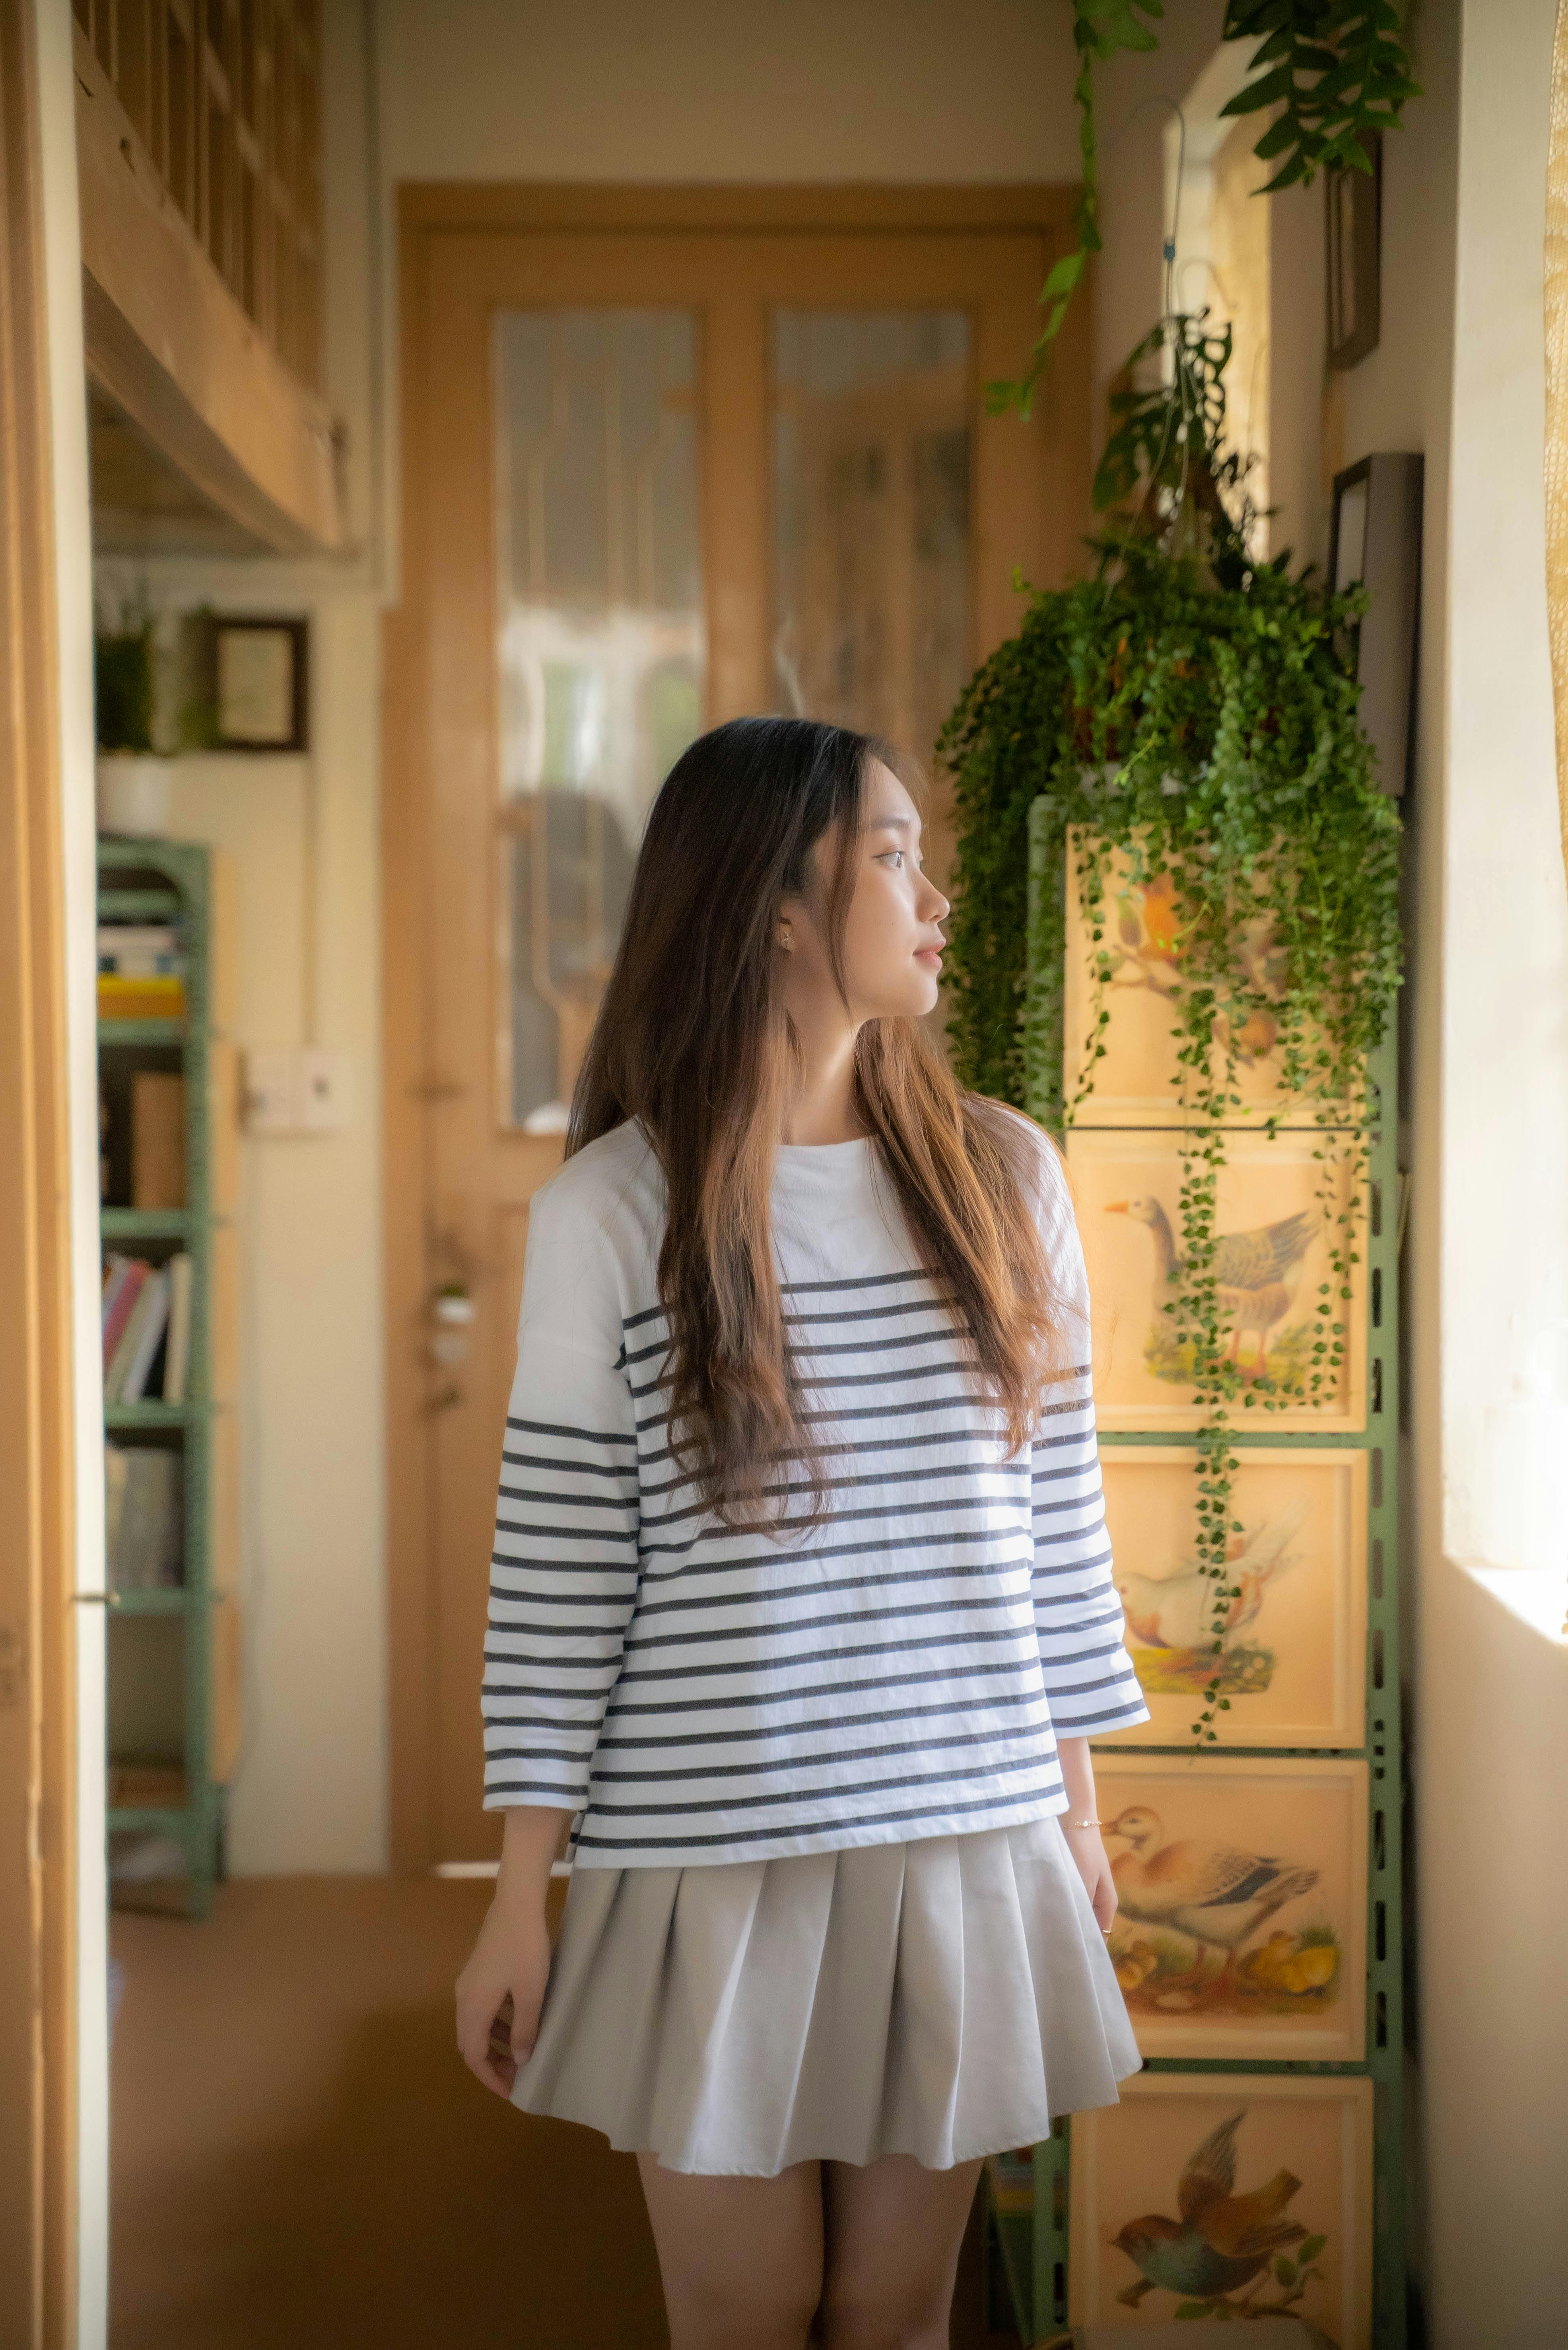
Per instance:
x=666, y=461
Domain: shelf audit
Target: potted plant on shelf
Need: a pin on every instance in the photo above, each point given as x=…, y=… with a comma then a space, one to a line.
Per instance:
x=134, y=782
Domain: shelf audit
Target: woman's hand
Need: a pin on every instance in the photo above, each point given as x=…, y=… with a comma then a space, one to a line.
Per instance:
x=501, y=1990
x=1089, y=1852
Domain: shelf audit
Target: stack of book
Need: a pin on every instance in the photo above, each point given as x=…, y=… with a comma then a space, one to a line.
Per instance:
x=145, y=1330
x=141, y=972
x=143, y=1518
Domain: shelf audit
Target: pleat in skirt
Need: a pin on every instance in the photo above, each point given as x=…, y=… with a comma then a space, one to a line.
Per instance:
x=943, y=1999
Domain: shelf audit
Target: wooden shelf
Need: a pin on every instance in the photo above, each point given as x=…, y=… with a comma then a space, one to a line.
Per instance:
x=146, y=1786
x=138, y=905
x=145, y=1223
x=141, y=1032
x=153, y=1414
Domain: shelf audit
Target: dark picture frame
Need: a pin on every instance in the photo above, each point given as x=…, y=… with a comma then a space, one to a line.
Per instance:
x=1354, y=214
x=257, y=682
x=1375, y=543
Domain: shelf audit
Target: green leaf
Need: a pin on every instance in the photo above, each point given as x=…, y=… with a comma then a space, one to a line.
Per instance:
x=1310, y=2246
x=1285, y=2270
x=1064, y=275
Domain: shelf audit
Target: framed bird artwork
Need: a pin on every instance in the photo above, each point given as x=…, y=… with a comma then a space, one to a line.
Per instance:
x=1293, y=1623
x=1137, y=1077
x=1215, y=2196
x=1277, y=1228
x=1241, y=1925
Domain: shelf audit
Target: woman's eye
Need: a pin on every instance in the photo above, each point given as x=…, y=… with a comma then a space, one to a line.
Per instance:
x=896, y=855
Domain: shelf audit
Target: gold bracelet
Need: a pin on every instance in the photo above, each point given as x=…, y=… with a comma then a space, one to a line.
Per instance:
x=1083, y=1823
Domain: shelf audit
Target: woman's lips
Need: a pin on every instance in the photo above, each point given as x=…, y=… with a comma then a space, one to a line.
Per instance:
x=931, y=955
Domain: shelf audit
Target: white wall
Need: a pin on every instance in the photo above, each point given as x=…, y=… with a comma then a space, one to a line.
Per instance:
x=1489, y=1208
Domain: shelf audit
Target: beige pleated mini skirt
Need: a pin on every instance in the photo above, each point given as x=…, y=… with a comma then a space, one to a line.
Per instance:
x=943, y=1998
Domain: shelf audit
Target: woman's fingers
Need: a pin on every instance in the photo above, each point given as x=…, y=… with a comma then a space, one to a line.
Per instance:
x=484, y=2037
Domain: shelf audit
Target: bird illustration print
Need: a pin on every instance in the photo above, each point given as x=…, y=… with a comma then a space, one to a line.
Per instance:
x=1221, y=2242
x=1257, y=1273
x=1215, y=1894
x=1177, y=1611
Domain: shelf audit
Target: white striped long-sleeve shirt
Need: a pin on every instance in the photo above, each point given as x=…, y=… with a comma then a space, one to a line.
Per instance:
x=693, y=1694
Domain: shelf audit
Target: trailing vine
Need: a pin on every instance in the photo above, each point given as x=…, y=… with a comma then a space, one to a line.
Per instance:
x=1330, y=73
x=1185, y=724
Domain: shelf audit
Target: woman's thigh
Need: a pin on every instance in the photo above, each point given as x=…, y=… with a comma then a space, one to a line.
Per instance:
x=740, y=2257
x=893, y=2232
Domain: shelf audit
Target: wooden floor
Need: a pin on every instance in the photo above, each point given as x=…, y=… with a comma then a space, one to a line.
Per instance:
x=300, y=2159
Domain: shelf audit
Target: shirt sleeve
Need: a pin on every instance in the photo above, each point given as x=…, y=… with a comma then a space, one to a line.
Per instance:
x=563, y=1570
x=1090, y=1683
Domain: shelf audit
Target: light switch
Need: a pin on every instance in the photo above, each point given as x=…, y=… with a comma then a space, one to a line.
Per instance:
x=299, y=1089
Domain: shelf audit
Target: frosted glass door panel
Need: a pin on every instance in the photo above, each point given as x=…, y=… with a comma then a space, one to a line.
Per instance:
x=600, y=657
x=871, y=557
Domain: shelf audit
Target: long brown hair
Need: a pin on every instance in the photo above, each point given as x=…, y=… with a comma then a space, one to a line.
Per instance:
x=693, y=1039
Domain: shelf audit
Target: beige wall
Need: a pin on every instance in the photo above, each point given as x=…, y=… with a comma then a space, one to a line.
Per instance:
x=1488, y=1247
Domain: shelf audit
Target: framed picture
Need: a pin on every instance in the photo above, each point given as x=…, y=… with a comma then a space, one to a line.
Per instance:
x=1375, y=543
x=1225, y=2195
x=1354, y=210
x=1241, y=1927
x=1137, y=1077
x=1292, y=1661
x=1277, y=1225
x=259, y=683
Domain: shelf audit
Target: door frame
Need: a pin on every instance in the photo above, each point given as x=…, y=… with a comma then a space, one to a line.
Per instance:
x=38, y=2143
x=428, y=212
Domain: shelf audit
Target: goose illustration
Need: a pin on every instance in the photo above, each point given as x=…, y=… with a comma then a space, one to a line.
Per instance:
x=1257, y=1273
x=1177, y=1611
x=1215, y=1894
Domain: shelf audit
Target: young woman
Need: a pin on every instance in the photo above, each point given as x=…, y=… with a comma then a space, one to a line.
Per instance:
x=801, y=1606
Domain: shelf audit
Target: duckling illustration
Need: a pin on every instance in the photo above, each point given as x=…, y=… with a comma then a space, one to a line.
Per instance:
x=1177, y=1611
x=1221, y=2240
x=1257, y=1273
x=1213, y=1893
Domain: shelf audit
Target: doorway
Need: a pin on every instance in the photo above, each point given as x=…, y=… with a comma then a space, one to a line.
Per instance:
x=667, y=458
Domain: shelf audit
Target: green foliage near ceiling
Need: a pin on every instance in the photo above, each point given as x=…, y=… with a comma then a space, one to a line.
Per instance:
x=1186, y=719
x=1328, y=73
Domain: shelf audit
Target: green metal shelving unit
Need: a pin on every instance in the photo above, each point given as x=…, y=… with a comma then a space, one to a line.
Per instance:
x=1032, y=2248
x=173, y=883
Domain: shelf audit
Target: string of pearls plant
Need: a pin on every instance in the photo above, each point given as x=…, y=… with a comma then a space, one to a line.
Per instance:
x=1187, y=719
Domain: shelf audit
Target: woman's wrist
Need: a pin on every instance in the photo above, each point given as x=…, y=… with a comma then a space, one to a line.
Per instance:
x=529, y=1840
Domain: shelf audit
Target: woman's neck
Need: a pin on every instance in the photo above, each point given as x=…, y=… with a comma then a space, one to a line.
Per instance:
x=822, y=1107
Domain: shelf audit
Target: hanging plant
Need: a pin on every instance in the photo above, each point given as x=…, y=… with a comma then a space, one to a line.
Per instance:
x=1330, y=75
x=1185, y=723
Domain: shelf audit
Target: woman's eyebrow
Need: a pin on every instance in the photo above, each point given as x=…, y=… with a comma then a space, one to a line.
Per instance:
x=891, y=823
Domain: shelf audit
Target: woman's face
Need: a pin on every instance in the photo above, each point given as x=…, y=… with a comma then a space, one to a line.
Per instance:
x=892, y=946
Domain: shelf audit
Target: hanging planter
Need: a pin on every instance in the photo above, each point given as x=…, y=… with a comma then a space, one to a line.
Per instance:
x=1185, y=724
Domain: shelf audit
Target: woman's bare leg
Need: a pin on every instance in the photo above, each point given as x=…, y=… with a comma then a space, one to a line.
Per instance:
x=741, y=2258
x=893, y=2230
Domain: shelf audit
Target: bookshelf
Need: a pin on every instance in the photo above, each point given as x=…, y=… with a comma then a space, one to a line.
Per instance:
x=173, y=1636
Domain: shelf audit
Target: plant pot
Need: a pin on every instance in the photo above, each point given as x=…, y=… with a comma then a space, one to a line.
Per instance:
x=134, y=790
